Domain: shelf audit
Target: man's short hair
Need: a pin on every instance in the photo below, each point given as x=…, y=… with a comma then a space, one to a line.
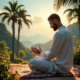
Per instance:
x=54, y=16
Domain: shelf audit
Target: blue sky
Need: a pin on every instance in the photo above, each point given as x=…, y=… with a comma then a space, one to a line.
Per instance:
x=39, y=10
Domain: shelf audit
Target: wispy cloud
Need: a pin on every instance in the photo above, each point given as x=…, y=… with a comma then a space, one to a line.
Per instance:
x=36, y=19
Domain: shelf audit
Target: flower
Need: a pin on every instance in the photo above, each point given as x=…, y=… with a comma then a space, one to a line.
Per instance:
x=1, y=74
x=4, y=60
x=6, y=47
x=2, y=63
x=2, y=57
x=75, y=53
x=8, y=58
x=8, y=75
x=8, y=70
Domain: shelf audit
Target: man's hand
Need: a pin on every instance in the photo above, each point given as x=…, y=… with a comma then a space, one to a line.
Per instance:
x=36, y=51
x=40, y=49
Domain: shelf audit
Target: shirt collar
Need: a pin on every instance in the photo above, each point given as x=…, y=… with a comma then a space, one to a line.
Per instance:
x=61, y=27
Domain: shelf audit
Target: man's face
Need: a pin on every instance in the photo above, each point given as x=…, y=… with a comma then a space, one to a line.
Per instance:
x=53, y=25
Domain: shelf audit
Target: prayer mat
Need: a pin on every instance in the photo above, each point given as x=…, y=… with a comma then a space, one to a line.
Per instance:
x=26, y=74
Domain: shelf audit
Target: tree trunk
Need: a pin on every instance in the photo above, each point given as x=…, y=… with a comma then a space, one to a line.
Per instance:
x=79, y=22
x=18, y=41
x=13, y=41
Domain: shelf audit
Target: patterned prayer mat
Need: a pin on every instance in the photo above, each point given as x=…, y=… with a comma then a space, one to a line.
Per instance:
x=25, y=73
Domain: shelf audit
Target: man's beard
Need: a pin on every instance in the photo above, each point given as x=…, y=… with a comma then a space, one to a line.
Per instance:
x=55, y=26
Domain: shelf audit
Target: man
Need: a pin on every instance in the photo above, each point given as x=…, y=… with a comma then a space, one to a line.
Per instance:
x=59, y=59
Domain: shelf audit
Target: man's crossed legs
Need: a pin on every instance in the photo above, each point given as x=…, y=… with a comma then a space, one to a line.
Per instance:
x=40, y=65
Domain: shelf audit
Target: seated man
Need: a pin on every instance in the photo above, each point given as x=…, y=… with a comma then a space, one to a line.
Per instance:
x=59, y=59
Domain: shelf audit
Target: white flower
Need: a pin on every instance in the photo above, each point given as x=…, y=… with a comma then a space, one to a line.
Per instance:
x=1, y=74
x=8, y=70
x=8, y=58
x=8, y=75
x=6, y=47
x=2, y=63
x=2, y=57
x=4, y=60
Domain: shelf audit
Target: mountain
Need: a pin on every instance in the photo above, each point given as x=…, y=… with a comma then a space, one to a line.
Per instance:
x=44, y=46
x=38, y=38
x=72, y=29
x=7, y=37
x=28, y=44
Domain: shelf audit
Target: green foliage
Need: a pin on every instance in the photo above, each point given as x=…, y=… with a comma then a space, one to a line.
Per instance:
x=22, y=17
x=18, y=60
x=5, y=74
x=73, y=14
x=4, y=49
x=7, y=36
x=10, y=53
x=59, y=3
x=22, y=54
x=25, y=62
x=76, y=51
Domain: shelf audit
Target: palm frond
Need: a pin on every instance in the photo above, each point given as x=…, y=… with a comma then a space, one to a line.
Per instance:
x=7, y=8
x=72, y=13
x=68, y=10
x=72, y=18
x=9, y=19
x=28, y=21
x=11, y=5
x=15, y=6
x=75, y=7
x=4, y=13
x=77, y=24
x=27, y=24
x=5, y=16
x=59, y=3
x=19, y=7
x=28, y=15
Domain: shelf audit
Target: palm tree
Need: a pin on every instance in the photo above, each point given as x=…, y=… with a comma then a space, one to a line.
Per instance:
x=73, y=14
x=11, y=16
x=22, y=54
x=59, y=3
x=22, y=18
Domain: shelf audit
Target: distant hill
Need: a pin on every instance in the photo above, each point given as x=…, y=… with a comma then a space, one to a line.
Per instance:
x=44, y=46
x=28, y=44
x=73, y=30
x=38, y=38
x=7, y=36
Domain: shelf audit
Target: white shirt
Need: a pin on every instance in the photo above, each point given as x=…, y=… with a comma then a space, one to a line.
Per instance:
x=61, y=51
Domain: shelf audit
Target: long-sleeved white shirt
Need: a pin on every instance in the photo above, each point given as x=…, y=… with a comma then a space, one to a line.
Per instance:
x=61, y=51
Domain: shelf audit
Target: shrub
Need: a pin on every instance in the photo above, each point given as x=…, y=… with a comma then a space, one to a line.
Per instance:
x=25, y=62
x=18, y=60
x=5, y=74
x=76, y=51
